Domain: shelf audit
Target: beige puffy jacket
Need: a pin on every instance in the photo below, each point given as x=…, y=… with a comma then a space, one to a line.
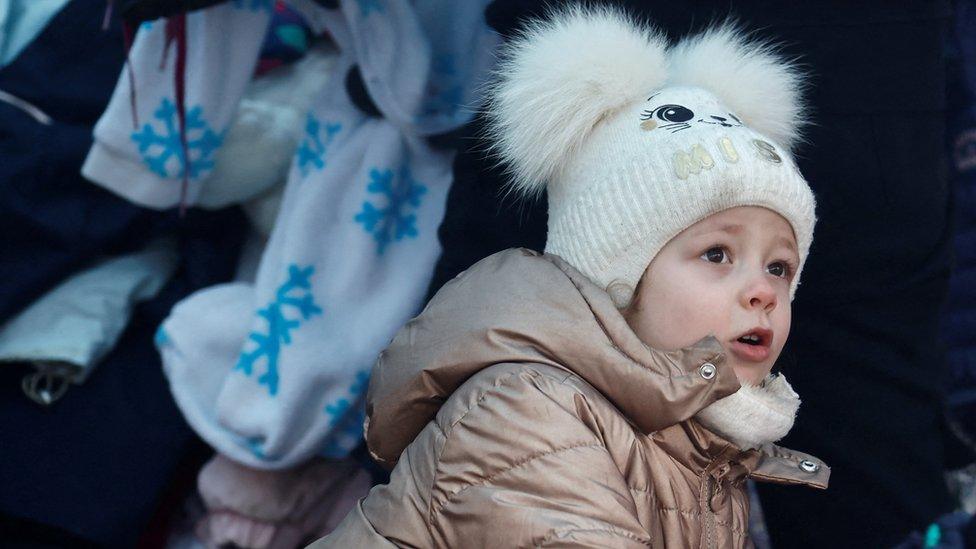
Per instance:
x=520, y=410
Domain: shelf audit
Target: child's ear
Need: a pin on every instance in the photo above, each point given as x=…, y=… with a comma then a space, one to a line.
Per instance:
x=621, y=293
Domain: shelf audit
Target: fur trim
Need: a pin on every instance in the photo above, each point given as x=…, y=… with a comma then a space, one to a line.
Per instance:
x=748, y=76
x=255, y=154
x=754, y=415
x=563, y=75
x=263, y=210
x=559, y=78
x=266, y=130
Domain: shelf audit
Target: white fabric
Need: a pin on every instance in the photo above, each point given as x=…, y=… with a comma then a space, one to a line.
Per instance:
x=274, y=372
x=754, y=415
x=270, y=119
x=635, y=142
x=21, y=21
x=223, y=43
x=78, y=322
x=631, y=190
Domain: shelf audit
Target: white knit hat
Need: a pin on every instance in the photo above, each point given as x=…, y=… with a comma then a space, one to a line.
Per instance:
x=637, y=141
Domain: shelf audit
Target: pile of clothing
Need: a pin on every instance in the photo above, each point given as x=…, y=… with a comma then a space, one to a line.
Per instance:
x=224, y=243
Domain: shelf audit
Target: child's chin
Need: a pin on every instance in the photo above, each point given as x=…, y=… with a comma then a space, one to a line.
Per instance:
x=751, y=374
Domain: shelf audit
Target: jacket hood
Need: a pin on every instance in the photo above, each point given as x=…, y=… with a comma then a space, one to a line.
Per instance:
x=520, y=306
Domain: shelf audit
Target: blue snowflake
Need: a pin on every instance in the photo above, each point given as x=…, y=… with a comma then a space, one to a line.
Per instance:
x=444, y=64
x=162, y=338
x=390, y=223
x=314, y=146
x=444, y=92
x=337, y=409
x=279, y=326
x=368, y=6
x=347, y=436
x=254, y=5
x=254, y=445
x=163, y=153
x=346, y=417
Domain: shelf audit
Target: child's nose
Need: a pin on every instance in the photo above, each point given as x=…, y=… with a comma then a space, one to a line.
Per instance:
x=760, y=295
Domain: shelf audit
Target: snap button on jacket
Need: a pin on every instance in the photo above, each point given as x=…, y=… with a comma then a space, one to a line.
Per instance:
x=520, y=410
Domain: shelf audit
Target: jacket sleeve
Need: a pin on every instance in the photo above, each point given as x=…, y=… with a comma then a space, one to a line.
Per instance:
x=525, y=467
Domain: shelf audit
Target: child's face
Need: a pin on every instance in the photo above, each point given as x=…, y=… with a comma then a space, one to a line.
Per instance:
x=729, y=276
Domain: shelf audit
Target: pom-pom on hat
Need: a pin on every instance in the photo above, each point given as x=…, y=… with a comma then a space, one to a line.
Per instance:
x=636, y=141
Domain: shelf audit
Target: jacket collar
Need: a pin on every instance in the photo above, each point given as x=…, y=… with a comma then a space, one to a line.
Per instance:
x=705, y=452
x=520, y=306
x=755, y=414
x=784, y=466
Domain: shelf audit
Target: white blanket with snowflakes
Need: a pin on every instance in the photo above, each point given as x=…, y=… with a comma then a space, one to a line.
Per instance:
x=274, y=372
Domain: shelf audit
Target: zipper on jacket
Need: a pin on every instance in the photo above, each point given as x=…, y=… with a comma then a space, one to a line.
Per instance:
x=707, y=514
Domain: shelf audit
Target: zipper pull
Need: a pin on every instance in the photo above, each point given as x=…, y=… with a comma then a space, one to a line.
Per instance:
x=48, y=384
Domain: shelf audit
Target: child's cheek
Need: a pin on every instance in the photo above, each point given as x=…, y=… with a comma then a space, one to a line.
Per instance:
x=693, y=319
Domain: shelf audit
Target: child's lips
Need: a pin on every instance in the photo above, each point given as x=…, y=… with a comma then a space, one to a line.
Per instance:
x=758, y=350
x=749, y=353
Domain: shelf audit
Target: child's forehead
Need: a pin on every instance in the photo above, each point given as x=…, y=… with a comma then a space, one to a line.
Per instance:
x=745, y=220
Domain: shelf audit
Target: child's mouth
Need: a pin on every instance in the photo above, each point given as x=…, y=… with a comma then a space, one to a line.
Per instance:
x=753, y=346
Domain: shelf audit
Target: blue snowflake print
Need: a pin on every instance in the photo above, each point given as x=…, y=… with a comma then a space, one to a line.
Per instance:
x=269, y=343
x=347, y=435
x=311, y=154
x=163, y=152
x=161, y=338
x=253, y=5
x=346, y=417
x=444, y=64
x=368, y=6
x=335, y=410
x=390, y=223
x=444, y=92
x=254, y=445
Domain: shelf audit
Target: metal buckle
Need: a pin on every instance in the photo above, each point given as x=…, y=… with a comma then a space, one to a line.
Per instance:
x=48, y=384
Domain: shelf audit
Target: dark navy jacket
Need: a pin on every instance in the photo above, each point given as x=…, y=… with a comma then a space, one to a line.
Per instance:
x=960, y=319
x=97, y=466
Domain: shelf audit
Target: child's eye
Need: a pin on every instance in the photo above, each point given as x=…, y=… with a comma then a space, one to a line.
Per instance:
x=779, y=269
x=715, y=255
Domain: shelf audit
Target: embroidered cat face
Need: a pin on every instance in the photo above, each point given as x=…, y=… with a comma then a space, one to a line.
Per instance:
x=675, y=117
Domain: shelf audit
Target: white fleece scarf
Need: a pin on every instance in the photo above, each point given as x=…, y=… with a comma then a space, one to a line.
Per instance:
x=273, y=373
x=754, y=415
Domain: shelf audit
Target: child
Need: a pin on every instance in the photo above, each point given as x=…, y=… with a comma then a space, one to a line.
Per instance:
x=616, y=391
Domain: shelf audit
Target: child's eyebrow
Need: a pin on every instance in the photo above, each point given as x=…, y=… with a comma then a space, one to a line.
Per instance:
x=735, y=228
x=731, y=228
x=788, y=242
